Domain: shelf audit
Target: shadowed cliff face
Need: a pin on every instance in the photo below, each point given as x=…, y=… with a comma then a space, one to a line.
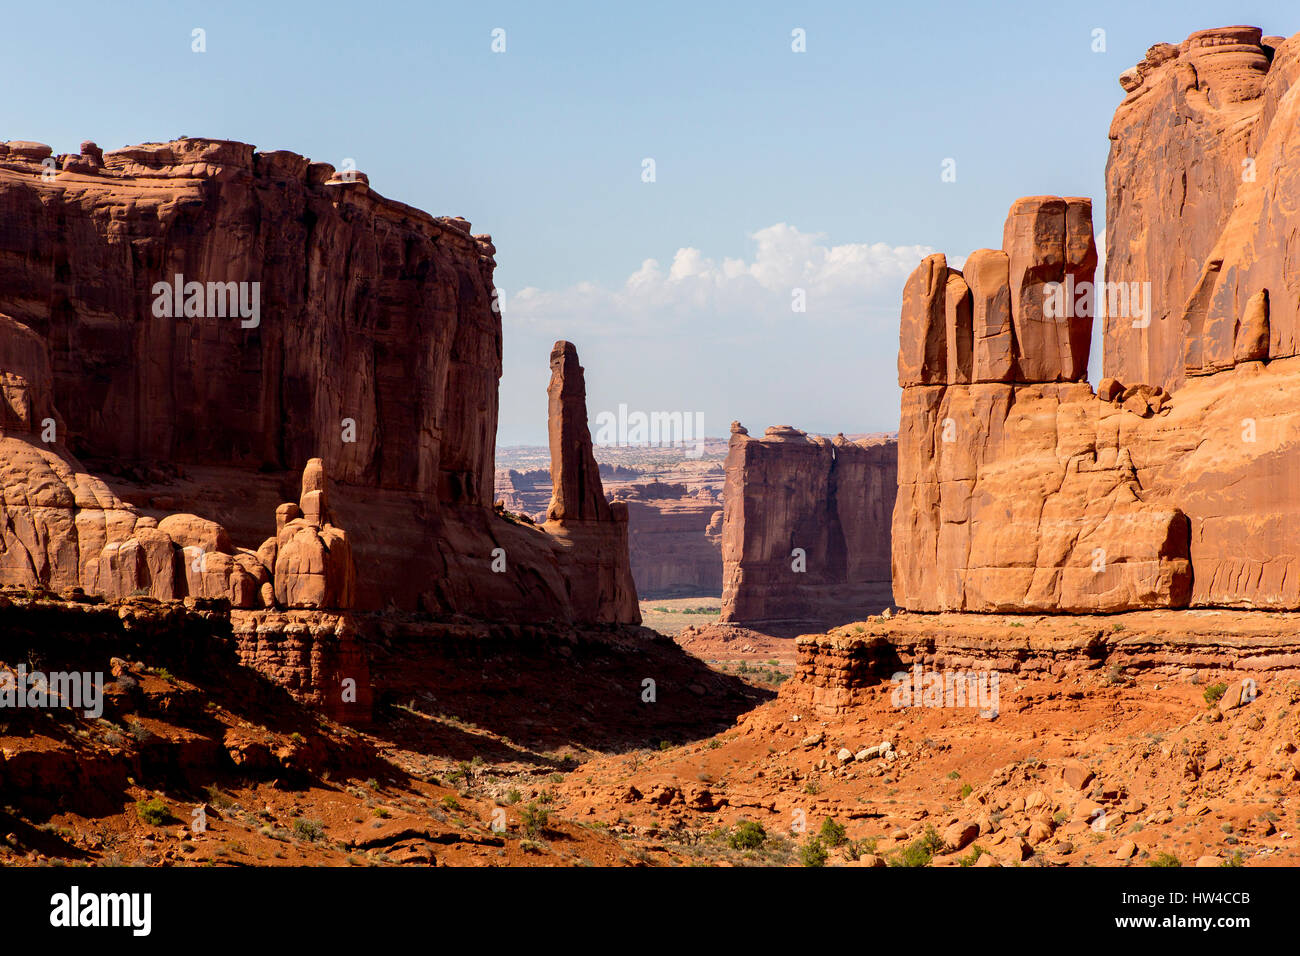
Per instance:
x=368, y=310
x=209, y=319
x=805, y=529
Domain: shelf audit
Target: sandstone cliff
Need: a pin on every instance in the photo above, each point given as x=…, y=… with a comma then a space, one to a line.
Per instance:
x=1013, y=493
x=805, y=529
x=213, y=321
x=1202, y=185
x=673, y=553
x=1019, y=488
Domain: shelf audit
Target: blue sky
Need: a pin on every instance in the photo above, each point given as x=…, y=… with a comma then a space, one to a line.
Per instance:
x=773, y=169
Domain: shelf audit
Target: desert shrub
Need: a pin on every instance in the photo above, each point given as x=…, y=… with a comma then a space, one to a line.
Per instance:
x=832, y=833
x=1213, y=693
x=975, y=853
x=813, y=853
x=534, y=819
x=153, y=812
x=747, y=835
x=1164, y=859
x=309, y=830
x=920, y=851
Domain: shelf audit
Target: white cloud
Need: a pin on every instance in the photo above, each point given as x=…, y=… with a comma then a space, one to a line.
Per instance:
x=841, y=283
x=718, y=337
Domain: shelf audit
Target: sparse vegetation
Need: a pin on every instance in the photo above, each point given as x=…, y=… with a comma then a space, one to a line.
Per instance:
x=833, y=833
x=153, y=812
x=1213, y=693
x=534, y=819
x=309, y=830
x=747, y=835
x=920, y=851
x=813, y=853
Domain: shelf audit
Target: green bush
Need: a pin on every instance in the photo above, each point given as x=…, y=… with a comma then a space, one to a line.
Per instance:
x=747, y=835
x=813, y=853
x=309, y=830
x=153, y=812
x=1213, y=693
x=920, y=851
x=1164, y=859
x=534, y=819
x=970, y=859
x=832, y=833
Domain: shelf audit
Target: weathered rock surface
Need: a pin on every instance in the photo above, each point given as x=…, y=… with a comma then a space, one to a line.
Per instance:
x=805, y=529
x=591, y=532
x=1020, y=496
x=213, y=318
x=1202, y=187
x=61, y=528
x=671, y=550
x=674, y=531
x=1046, y=497
x=837, y=671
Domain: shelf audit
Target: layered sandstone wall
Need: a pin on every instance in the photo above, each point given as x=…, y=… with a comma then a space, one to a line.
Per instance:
x=840, y=670
x=325, y=323
x=1202, y=185
x=673, y=545
x=672, y=551
x=805, y=528
x=1177, y=482
x=1014, y=492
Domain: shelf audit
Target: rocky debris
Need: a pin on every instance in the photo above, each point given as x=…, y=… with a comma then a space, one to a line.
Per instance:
x=804, y=526
x=1238, y=694
x=1076, y=776
x=959, y=835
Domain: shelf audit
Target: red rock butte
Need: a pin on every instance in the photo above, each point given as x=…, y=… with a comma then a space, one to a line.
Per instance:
x=361, y=386
x=805, y=528
x=1176, y=483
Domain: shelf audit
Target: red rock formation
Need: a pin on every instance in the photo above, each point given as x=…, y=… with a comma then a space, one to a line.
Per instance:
x=805, y=527
x=62, y=528
x=307, y=307
x=1202, y=185
x=1019, y=496
x=592, y=532
x=671, y=551
x=1180, y=490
